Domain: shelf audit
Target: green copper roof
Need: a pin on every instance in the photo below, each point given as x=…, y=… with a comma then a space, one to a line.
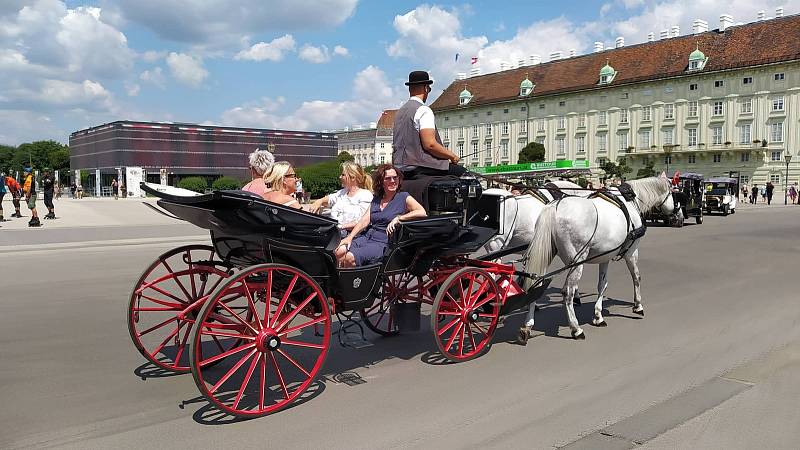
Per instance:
x=607, y=70
x=697, y=55
x=526, y=83
x=465, y=94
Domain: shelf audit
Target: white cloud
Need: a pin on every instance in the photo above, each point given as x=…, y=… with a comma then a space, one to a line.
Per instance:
x=272, y=51
x=219, y=22
x=371, y=95
x=316, y=55
x=132, y=89
x=153, y=56
x=154, y=76
x=20, y=125
x=187, y=69
x=341, y=51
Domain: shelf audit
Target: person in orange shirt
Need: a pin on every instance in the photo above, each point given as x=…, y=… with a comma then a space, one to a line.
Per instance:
x=29, y=188
x=14, y=189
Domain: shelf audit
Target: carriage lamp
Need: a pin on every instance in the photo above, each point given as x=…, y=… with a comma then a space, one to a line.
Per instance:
x=788, y=158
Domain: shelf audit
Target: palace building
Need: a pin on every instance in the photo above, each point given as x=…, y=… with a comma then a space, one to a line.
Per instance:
x=370, y=145
x=724, y=102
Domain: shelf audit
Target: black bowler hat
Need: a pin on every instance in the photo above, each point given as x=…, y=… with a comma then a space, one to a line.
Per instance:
x=419, y=77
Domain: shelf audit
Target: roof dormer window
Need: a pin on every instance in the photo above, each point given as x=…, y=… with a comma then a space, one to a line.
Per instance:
x=607, y=74
x=697, y=60
x=526, y=87
x=464, y=97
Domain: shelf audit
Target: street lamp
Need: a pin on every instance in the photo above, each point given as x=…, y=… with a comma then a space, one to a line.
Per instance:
x=668, y=156
x=788, y=158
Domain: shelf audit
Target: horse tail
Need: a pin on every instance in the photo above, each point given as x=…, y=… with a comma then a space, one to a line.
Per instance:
x=542, y=248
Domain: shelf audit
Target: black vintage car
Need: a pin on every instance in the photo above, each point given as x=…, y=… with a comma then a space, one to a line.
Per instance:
x=689, y=194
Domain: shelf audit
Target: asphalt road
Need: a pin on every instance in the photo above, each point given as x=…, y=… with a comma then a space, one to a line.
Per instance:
x=716, y=296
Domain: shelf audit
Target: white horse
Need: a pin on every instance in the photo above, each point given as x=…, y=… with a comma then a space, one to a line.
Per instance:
x=592, y=231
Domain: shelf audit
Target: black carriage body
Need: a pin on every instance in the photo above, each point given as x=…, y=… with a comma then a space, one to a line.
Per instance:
x=247, y=230
x=454, y=195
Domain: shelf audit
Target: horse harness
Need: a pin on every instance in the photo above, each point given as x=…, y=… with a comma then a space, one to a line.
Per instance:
x=634, y=233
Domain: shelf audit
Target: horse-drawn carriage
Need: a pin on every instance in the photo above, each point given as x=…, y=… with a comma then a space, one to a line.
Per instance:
x=722, y=194
x=251, y=316
x=688, y=197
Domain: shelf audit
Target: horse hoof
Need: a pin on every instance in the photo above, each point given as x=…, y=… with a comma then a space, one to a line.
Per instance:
x=523, y=336
x=602, y=323
x=579, y=336
x=639, y=312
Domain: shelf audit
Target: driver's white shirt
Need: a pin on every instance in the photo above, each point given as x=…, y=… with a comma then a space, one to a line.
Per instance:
x=423, y=118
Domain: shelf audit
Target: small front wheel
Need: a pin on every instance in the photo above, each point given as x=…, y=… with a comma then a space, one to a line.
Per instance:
x=465, y=314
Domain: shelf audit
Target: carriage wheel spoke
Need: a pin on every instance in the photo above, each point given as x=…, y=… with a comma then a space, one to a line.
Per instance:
x=453, y=337
x=455, y=302
x=303, y=325
x=294, y=363
x=472, y=338
x=295, y=311
x=177, y=279
x=227, y=335
x=191, y=274
x=280, y=375
x=169, y=336
x=283, y=300
x=163, y=292
x=156, y=309
x=474, y=297
x=262, y=363
x=232, y=370
x=246, y=381
x=480, y=328
x=268, y=298
x=155, y=327
x=182, y=345
x=164, y=302
x=485, y=301
x=302, y=344
x=448, y=326
x=230, y=352
x=468, y=297
x=244, y=322
x=251, y=304
x=461, y=341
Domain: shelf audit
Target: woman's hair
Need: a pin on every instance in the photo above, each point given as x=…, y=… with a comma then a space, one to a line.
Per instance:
x=273, y=178
x=356, y=173
x=377, y=178
x=261, y=161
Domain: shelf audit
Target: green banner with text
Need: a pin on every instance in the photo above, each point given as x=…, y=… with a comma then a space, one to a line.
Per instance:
x=561, y=164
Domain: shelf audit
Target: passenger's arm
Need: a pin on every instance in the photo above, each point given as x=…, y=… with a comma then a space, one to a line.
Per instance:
x=414, y=211
x=360, y=225
x=430, y=145
x=317, y=205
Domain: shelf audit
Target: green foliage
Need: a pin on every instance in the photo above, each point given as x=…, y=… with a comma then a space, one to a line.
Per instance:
x=322, y=178
x=59, y=159
x=646, y=171
x=226, y=183
x=613, y=169
x=533, y=152
x=197, y=184
x=344, y=156
x=6, y=155
x=582, y=182
x=38, y=155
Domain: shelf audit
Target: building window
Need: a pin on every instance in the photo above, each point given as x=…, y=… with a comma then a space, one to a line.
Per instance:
x=488, y=129
x=581, y=120
x=776, y=132
x=716, y=136
x=623, y=116
x=717, y=108
x=601, y=161
x=669, y=111
x=523, y=109
x=602, y=142
x=692, y=109
x=668, y=159
x=779, y=77
x=460, y=133
x=744, y=133
x=717, y=157
x=775, y=156
x=475, y=131
x=487, y=153
x=602, y=118
x=488, y=113
x=693, y=87
x=383, y=159
x=744, y=157
x=775, y=179
x=562, y=103
x=460, y=149
x=747, y=80
x=777, y=103
x=541, y=105
x=523, y=126
x=540, y=125
x=540, y=140
x=644, y=139
x=445, y=135
x=504, y=149
x=744, y=179
x=692, y=159
x=474, y=150
x=505, y=111
x=561, y=146
x=692, y=141
x=719, y=83
x=746, y=107
x=504, y=128
x=667, y=137
x=646, y=110
x=623, y=142
x=580, y=144
x=562, y=122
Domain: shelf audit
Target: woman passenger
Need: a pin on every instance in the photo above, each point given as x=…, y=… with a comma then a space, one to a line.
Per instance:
x=281, y=182
x=352, y=201
x=260, y=163
x=388, y=207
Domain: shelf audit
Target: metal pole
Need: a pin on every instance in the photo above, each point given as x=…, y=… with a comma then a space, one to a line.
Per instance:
x=786, y=185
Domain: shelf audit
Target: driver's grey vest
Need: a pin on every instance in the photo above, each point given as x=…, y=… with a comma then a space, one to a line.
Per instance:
x=406, y=144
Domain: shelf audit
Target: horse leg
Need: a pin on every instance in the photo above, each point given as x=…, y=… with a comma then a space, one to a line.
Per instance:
x=526, y=330
x=632, y=260
x=602, y=284
x=570, y=287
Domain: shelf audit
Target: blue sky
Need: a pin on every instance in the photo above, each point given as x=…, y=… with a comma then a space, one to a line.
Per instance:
x=297, y=64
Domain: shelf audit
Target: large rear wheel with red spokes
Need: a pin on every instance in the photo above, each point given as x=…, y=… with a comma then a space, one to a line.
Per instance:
x=166, y=299
x=277, y=318
x=465, y=314
x=397, y=288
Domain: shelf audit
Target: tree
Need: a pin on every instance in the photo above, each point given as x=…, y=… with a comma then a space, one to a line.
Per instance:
x=646, y=171
x=533, y=152
x=197, y=184
x=613, y=169
x=39, y=155
x=59, y=159
x=344, y=156
x=6, y=156
x=321, y=179
x=226, y=183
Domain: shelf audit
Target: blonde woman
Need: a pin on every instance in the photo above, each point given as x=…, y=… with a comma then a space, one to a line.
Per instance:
x=281, y=181
x=260, y=163
x=352, y=201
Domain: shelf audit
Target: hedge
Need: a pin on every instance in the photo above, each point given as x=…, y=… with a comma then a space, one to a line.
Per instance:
x=226, y=183
x=197, y=184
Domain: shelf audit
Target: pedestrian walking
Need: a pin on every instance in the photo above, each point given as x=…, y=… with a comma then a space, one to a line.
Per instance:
x=763, y=192
x=770, y=188
x=115, y=189
x=72, y=189
x=29, y=188
x=754, y=194
x=80, y=191
x=16, y=192
x=745, y=192
x=3, y=191
x=122, y=189
x=793, y=193
x=48, y=186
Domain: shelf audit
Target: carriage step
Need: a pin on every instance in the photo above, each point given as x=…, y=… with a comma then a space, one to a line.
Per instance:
x=354, y=341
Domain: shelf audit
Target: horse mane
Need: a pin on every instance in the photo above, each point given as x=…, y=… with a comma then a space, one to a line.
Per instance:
x=650, y=191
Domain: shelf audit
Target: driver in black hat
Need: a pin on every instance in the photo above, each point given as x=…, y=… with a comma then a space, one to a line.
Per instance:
x=418, y=149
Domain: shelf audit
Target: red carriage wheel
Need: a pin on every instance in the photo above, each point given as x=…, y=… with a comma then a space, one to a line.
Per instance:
x=465, y=314
x=279, y=320
x=167, y=298
x=397, y=288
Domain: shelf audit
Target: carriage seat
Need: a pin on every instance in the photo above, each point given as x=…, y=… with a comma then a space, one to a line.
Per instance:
x=415, y=237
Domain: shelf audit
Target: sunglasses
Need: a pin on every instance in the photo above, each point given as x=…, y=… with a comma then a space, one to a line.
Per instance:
x=394, y=178
x=290, y=175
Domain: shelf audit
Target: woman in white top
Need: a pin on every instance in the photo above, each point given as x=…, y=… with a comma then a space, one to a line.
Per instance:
x=352, y=201
x=281, y=180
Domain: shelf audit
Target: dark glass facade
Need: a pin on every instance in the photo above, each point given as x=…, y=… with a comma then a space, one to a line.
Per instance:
x=186, y=149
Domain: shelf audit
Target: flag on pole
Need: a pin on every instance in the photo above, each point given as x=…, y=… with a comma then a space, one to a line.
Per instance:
x=474, y=60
